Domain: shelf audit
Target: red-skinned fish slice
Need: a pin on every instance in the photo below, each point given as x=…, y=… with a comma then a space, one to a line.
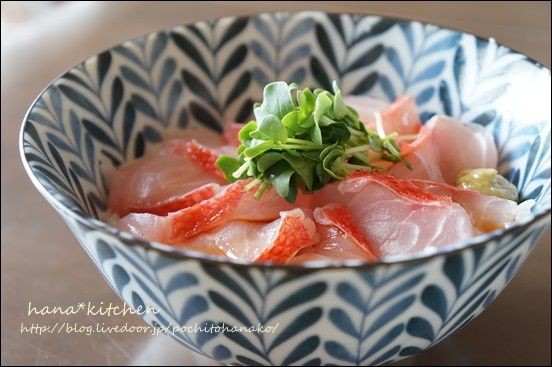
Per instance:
x=143, y=184
x=402, y=187
x=204, y=157
x=402, y=116
x=275, y=241
x=205, y=214
x=231, y=130
x=338, y=215
x=392, y=219
x=408, y=147
x=295, y=233
x=178, y=203
x=439, y=151
x=233, y=203
x=488, y=212
x=175, y=147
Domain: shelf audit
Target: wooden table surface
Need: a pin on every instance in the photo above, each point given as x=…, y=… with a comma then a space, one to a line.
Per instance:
x=43, y=264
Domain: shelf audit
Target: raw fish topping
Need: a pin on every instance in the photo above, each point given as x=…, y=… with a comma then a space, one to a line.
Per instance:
x=318, y=176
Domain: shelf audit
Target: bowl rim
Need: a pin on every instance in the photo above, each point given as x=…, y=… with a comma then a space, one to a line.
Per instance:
x=183, y=254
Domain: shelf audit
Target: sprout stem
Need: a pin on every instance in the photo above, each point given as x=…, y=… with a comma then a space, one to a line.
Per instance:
x=262, y=188
x=356, y=167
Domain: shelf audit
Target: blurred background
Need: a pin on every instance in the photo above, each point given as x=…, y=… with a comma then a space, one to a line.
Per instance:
x=42, y=263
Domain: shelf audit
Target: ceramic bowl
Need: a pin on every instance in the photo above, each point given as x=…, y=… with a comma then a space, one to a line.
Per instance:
x=119, y=104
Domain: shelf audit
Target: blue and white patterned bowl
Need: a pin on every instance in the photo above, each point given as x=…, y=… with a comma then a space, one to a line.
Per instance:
x=119, y=104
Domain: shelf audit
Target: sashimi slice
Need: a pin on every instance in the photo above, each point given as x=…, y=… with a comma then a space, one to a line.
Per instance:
x=206, y=214
x=234, y=202
x=204, y=157
x=268, y=206
x=404, y=188
x=445, y=147
x=180, y=202
x=422, y=156
x=199, y=154
x=462, y=146
x=185, y=148
x=277, y=241
x=410, y=143
x=340, y=192
x=338, y=215
x=187, y=222
x=154, y=179
x=333, y=245
x=147, y=226
x=400, y=117
x=294, y=232
x=231, y=130
x=488, y=213
x=396, y=221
